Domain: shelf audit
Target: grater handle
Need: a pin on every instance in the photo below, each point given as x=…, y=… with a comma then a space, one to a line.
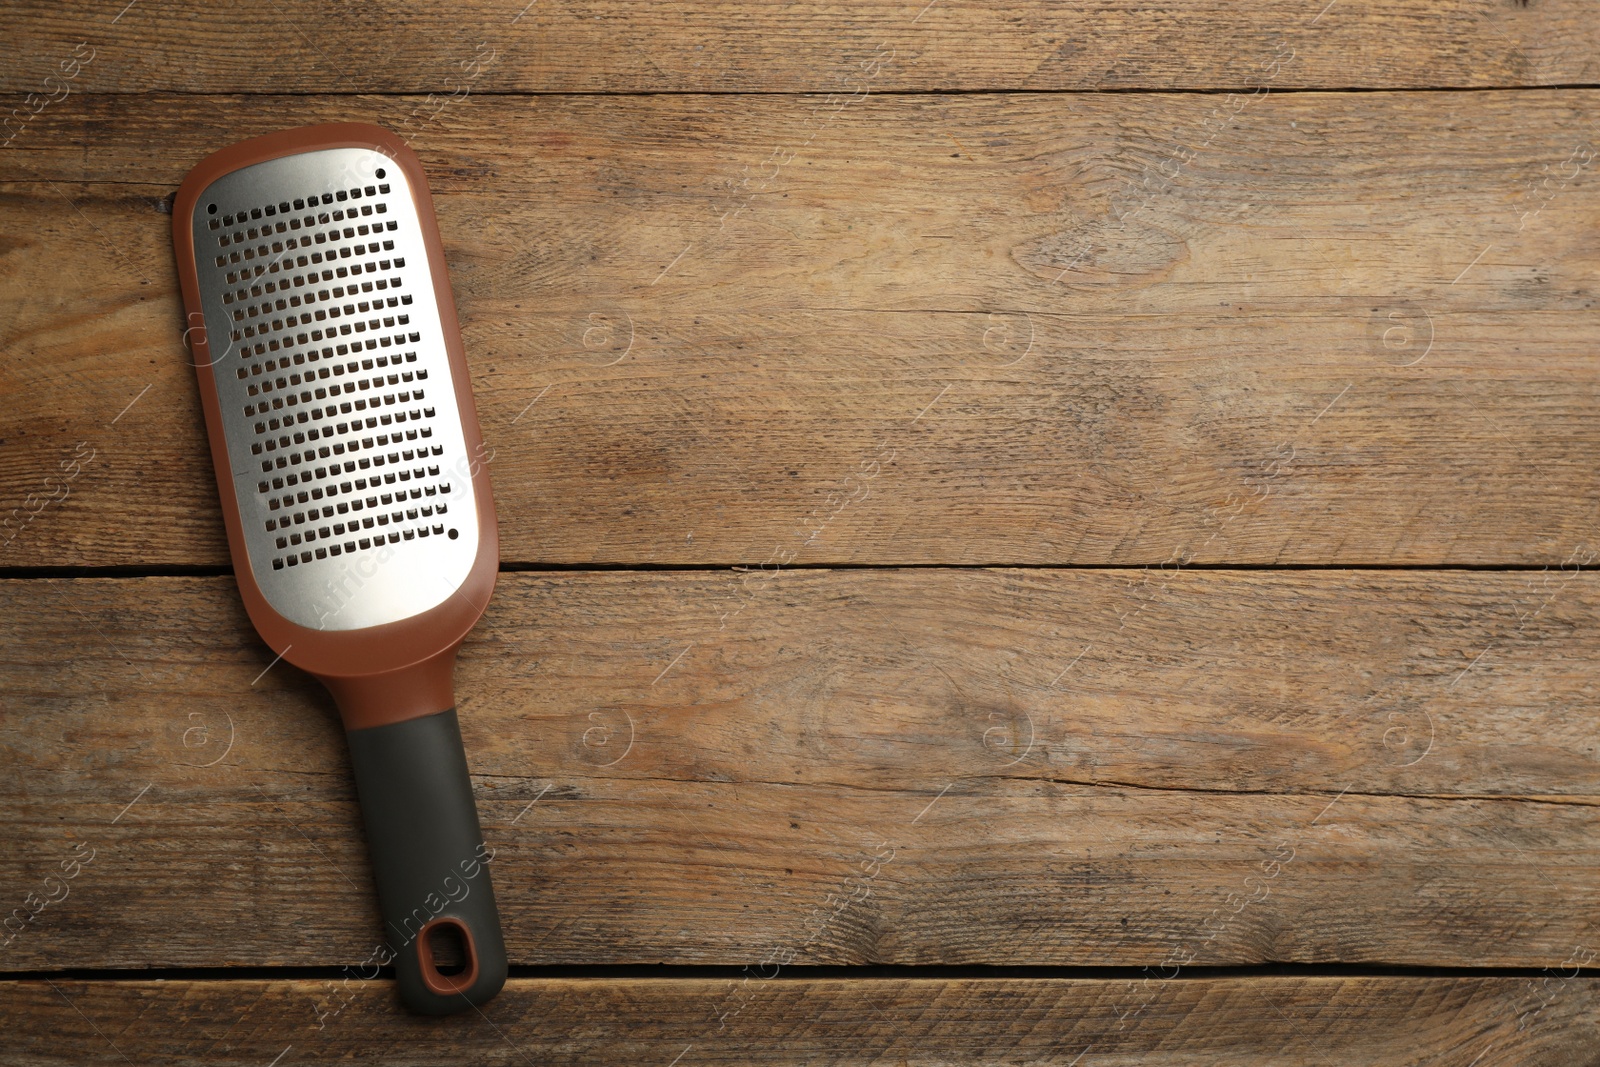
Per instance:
x=430, y=862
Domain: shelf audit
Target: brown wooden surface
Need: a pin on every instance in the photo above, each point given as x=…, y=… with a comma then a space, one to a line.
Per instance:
x=1070, y=289
x=663, y=791
x=1537, y=1021
x=609, y=46
x=1355, y=330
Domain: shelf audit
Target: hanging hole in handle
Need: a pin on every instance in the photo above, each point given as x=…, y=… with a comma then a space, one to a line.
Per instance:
x=448, y=958
x=449, y=951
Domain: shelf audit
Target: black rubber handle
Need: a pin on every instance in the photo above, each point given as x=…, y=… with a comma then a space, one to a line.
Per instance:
x=430, y=862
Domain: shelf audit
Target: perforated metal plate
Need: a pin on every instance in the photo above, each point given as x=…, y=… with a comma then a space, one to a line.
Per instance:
x=338, y=406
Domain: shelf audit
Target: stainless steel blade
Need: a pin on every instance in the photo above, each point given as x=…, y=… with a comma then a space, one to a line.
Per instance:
x=338, y=404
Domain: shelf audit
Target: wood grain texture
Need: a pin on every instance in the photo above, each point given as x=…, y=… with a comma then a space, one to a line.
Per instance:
x=1355, y=329
x=866, y=284
x=864, y=766
x=606, y=46
x=1204, y=1022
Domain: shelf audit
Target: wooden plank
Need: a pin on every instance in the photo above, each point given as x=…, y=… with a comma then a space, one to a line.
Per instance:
x=1307, y=348
x=862, y=766
x=1546, y=1019
x=607, y=46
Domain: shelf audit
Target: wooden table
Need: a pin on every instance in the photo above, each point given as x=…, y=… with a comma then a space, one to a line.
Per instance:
x=1031, y=534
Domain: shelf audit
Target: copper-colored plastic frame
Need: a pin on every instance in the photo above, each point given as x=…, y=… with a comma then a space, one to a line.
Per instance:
x=400, y=670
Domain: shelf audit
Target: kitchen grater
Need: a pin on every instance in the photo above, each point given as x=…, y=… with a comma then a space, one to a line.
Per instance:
x=356, y=495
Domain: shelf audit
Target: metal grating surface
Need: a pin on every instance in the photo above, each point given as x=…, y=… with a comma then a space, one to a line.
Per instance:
x=337, y=399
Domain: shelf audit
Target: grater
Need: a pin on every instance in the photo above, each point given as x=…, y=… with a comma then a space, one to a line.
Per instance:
x=356, y=495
